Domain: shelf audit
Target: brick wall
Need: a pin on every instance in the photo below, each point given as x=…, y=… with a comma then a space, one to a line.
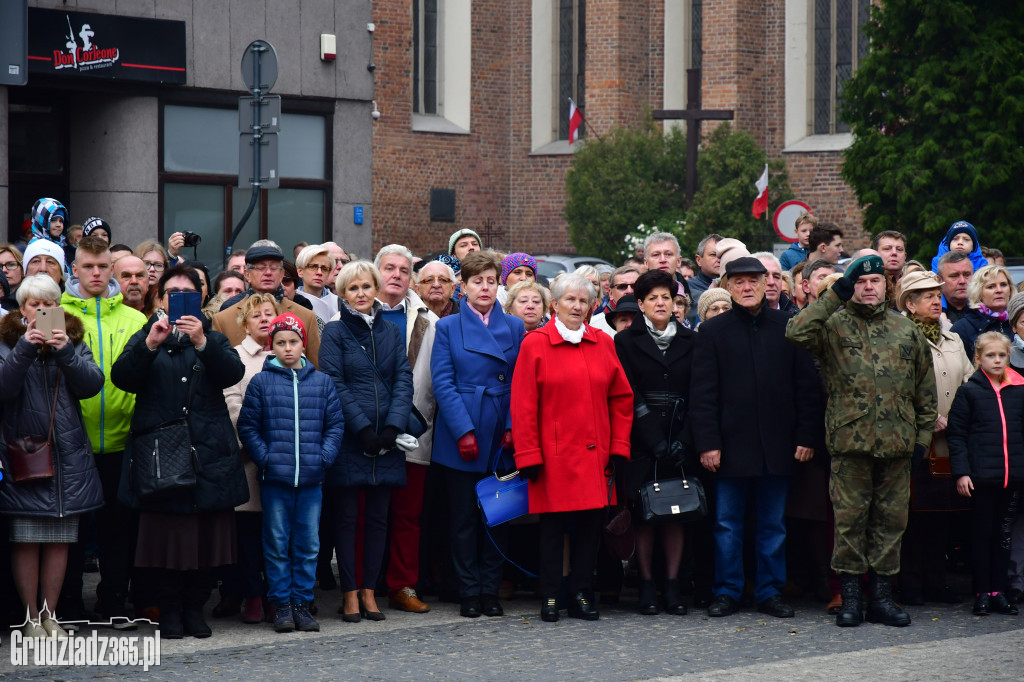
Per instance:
x=522, y=195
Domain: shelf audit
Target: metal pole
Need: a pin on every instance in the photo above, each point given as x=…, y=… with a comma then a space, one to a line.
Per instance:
x=257, y=136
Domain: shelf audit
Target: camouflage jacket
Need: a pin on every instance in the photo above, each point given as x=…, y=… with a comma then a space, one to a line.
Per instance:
x=878, y=372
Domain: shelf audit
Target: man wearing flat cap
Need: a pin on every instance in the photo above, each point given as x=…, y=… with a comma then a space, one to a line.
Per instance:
x=264, y=271
x=756, y=415
x=881, y=412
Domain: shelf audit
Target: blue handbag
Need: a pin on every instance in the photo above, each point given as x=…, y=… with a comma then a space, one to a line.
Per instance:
x=502, y=498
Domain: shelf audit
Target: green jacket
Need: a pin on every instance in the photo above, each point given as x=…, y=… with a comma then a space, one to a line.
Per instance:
x=108, y=326
x=878, y=373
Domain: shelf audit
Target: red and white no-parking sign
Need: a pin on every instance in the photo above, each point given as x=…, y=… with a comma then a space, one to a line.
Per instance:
x=785, y=217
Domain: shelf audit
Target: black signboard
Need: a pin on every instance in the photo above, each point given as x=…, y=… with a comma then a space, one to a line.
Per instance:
x=85, y=45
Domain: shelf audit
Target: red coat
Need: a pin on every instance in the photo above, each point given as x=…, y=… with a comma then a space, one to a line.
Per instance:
x=572, y=408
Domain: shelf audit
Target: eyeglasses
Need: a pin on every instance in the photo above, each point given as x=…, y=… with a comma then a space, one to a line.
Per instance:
x=10, y=265
x=154, y=265
x=319, y=268
x=273, y=267
x=435, y=280
x=623, y=287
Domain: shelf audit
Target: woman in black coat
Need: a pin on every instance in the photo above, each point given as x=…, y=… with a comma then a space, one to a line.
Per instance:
x=365, y=355
x=44, y=513
x=657, y=353
x=193, y=531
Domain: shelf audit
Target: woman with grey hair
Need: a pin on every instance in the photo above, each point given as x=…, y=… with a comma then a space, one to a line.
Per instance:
x=529, y=302
x=572, y=410
x=44, y=376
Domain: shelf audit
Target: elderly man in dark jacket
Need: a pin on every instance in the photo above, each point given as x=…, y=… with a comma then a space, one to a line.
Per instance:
x=756, y=416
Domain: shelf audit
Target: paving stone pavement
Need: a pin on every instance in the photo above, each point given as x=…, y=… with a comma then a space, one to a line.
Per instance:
x=945, y=642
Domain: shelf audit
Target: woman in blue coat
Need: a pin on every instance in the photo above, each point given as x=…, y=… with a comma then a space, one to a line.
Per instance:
x=365, y=356
x=474, y=355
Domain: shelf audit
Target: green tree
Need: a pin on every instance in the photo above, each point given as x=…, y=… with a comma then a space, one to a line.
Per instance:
x=937, y=112
x=636, y=177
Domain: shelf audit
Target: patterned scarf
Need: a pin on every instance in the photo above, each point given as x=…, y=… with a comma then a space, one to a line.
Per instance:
x=931, y=330
x=1003, y=316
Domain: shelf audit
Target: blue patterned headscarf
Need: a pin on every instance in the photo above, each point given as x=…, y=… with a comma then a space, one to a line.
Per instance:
x=450, y=261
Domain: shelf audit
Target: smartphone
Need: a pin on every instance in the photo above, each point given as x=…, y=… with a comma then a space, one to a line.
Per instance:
x=182, y=303
x=49, y=319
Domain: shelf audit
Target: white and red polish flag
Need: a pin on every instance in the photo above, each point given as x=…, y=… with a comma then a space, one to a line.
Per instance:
x=575, y=121
x=761, y=202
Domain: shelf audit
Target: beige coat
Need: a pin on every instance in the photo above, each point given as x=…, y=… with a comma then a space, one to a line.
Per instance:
x=419, y=343
x=252, y=357
x=952, y=368
x=226, y=322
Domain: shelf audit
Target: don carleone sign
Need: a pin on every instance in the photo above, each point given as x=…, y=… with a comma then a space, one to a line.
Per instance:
x=79, y=44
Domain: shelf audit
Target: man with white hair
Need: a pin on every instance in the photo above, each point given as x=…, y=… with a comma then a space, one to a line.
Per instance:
x=405, y=309
x=436, y=287
x=773, y=294
x=315, y=266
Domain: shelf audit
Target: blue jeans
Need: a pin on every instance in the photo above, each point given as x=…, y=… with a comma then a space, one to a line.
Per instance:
x=770, y=538
x=291, y=541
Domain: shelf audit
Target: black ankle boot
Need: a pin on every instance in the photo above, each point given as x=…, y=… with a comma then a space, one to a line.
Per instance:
x=881, y=608
x=673, y=599
x=850, y=613
x=647, y=601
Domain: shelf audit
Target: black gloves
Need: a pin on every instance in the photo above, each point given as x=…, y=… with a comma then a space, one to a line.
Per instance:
x=387, y=437
x=676, y=454
x=371, y=443
x=843, y=288
x=530, y=473
x=615, y=462
x=660, y=451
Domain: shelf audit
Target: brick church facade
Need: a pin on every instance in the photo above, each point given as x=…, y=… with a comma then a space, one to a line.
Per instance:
x=473, y=96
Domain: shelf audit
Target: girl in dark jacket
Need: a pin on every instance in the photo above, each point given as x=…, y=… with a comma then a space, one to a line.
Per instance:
x=986, y=455
x=657, y=353
x=193, y=531
x=44, y=512
x=365, y=355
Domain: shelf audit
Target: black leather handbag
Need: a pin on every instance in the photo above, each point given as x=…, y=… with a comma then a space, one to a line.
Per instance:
x=673, y=499
x=163, y=460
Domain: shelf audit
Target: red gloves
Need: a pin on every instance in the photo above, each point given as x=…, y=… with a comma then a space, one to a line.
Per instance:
x=506, y=443
x=468, y=448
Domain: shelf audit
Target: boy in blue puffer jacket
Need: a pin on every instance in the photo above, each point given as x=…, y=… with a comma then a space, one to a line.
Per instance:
x=291, y=423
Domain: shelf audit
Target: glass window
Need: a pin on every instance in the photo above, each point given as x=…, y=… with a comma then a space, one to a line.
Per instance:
x=200, y=140
x=295, y=215
x=839, y=43
x=696, y=33
x=303, y=147
x=199, y=209
x=571, y=53
x=424, y=56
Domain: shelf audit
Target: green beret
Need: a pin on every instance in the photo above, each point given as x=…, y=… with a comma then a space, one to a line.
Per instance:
x=865, y=265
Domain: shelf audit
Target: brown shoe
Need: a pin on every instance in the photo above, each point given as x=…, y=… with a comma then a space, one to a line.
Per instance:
x=835, y=604
x=406, y=600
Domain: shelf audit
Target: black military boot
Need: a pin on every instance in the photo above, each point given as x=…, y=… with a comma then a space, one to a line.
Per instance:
x=850, y=614
x=881, y=608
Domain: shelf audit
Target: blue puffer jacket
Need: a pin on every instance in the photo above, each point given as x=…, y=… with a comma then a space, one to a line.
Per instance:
x=291, y=424
x=345, y=355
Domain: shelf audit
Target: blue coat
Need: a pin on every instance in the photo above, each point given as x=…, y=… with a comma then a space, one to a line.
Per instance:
x=974, y=323
x=291, y=423
x=345, y=352
x=472, y=372
x=792, y=256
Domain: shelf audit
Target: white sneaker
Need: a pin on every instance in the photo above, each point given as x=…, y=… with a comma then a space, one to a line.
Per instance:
x=33, y=630
x=52, y=627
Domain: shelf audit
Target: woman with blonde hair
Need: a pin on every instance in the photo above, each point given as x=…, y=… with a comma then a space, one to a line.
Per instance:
x=529, y=302
x=988, y=295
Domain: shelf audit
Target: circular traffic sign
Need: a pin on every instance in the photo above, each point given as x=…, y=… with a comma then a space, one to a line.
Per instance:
x=267, y=55
x=785, y=217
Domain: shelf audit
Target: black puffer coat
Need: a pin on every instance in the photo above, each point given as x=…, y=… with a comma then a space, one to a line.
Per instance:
x=28, y=374
x=160, y=380
x=975, y=431
x=345, y=354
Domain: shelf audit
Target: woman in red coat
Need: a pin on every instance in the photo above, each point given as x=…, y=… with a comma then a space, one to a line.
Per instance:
x=572, y=410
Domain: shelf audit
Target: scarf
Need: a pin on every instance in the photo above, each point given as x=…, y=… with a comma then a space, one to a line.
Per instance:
x=931, y=330
x=573, y=337
x=983, y=309
x=662, y=339
x=368, y=319
x=277, y=293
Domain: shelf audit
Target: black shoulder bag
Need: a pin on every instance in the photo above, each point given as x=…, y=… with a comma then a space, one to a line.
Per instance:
x=163, y=460
x=672, y=499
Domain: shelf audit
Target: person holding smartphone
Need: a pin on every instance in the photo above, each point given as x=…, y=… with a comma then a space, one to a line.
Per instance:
x=41, y=376
x=184, y=536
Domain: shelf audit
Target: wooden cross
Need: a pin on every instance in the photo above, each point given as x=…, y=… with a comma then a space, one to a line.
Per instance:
x=693, y=115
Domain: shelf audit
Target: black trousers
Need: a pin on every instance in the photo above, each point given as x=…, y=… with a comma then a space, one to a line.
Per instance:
x=584, y=529
x=477, y=559
x=117, y=527
x=923, y=554
x=344, y=506
x=245, y=579
x=993, y=509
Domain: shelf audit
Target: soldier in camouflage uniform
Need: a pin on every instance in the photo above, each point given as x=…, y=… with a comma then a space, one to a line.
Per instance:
x=881, y=412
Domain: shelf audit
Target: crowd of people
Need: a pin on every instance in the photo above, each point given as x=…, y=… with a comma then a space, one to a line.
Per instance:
x=856, y=425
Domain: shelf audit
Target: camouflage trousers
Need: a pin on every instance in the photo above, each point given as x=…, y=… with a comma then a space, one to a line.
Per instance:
x=871, y=500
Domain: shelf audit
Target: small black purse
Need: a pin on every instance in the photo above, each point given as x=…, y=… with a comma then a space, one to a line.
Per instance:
x=673, y=499
x=163, y=460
